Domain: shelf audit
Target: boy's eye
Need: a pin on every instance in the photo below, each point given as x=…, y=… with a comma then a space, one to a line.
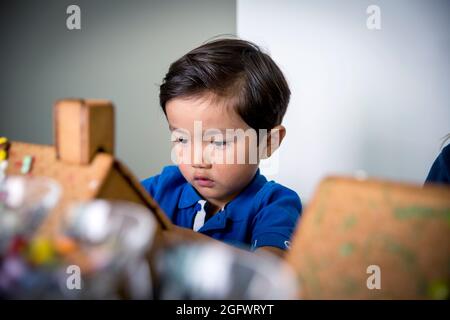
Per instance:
x=219, y=144
x=181, y=140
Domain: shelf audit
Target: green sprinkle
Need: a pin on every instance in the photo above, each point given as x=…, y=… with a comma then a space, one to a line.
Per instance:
x=349, y=222
x=26, y=164
x=438, y=290
x=422, y=213
x=346, y=249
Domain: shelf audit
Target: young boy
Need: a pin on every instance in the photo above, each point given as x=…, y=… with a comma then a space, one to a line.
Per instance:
x=220, y=88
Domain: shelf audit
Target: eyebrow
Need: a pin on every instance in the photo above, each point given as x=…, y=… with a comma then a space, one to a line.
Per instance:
x=223, y=130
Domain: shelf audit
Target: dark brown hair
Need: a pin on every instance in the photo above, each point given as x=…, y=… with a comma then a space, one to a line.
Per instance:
x=232, y=69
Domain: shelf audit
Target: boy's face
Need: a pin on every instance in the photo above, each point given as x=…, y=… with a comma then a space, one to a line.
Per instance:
x=203, y=163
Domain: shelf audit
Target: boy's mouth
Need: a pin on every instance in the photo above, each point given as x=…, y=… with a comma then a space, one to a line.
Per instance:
x=203, y=181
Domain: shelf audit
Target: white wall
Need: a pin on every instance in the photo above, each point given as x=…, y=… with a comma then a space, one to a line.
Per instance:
x=373, y=100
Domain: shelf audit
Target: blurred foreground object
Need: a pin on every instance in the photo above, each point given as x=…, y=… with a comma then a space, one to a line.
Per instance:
x=114, y=239
x=100, y=253
x=215, y=271
x=25, y=202
x=355, y=231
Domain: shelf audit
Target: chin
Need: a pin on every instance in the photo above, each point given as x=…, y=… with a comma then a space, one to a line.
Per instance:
x=209, y=193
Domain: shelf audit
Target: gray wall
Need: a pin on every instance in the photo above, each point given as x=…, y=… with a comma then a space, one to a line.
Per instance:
x=121, y=53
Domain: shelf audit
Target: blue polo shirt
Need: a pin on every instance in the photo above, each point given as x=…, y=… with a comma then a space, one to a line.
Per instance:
x=265, y=213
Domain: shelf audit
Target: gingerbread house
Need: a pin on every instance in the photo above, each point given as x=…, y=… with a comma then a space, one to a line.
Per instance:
x=82, y=161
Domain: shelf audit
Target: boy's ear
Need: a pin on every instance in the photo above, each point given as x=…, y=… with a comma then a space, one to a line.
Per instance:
x=273, y=141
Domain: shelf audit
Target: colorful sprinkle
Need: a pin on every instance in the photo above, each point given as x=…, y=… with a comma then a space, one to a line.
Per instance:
x=64, y=245
x=27, y=163
x=41, y=251
x=3, y=155
x=346, y=249
x=3, y=140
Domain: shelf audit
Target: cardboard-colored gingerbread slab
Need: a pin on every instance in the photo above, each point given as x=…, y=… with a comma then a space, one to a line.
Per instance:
x=355, y=231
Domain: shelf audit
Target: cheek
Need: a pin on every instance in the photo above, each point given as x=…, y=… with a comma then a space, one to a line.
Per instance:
x=182, y=153
x=235, y=175
x=185, y=171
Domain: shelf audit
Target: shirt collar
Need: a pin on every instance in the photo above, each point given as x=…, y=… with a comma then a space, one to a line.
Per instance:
x=234, y=209
x=189, y=197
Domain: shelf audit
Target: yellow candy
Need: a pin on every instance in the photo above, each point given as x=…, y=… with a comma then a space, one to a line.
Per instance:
x=3, y=140
x=3, y=155
x=41, y=251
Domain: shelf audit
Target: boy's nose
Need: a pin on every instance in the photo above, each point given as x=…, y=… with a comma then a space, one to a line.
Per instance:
x=202, y=165
x=201, y=160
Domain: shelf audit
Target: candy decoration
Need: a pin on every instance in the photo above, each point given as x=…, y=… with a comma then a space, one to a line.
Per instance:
x=4, y=143
x=4, y=146
x=17, y=245
x=64, y=245
x=3, y=154
x=27, y=163
x=3, y=140
x=41, y=251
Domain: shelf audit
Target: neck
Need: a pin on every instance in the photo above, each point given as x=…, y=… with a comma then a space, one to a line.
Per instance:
x=215, y=206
